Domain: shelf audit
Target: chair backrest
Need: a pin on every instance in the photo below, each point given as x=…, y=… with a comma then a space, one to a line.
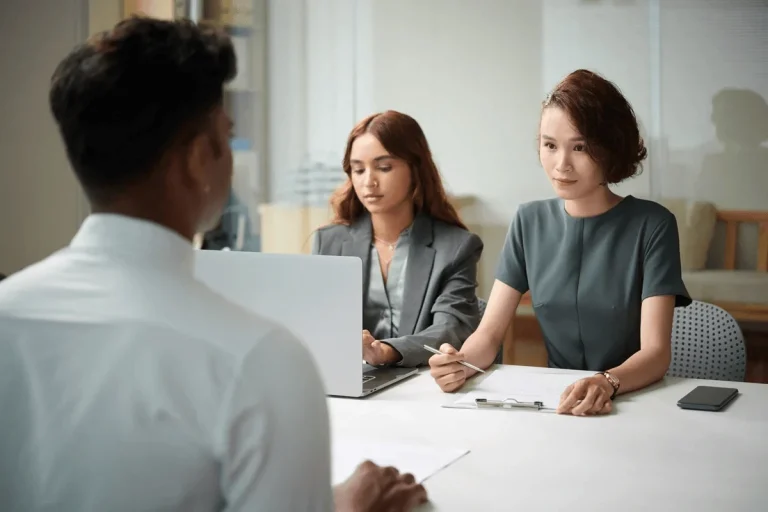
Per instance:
x=707, y=343
x=481, y=305
x=734, y=219
x=696, y=222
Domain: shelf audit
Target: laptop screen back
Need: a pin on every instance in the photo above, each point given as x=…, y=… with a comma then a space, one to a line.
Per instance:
x=318, y=298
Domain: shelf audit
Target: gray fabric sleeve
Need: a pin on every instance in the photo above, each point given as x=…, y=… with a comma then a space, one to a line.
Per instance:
x=662, y=270
x=510, y=269
x=316, y=244
x=455, y=314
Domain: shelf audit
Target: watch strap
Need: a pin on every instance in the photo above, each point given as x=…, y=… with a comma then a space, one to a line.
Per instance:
x=613, y=381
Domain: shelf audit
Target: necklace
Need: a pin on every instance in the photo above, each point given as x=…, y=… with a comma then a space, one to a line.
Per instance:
x=391, y=245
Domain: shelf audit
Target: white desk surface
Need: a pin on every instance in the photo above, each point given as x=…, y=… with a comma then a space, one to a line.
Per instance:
x=648, y=455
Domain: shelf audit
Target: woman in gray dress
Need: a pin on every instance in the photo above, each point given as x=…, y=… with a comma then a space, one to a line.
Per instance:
x=419, y=260
x=603, y=270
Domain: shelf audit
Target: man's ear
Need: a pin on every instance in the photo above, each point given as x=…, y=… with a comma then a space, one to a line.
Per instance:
x=197, y=156
x=215, y=142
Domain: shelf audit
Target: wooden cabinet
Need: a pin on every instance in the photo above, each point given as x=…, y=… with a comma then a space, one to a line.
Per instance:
x=288, y=229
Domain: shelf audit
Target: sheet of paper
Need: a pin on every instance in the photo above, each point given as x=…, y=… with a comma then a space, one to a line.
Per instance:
x=419, y=460
x=511, y=383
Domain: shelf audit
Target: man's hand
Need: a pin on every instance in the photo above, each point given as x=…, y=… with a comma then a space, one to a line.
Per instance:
x=377, y=353
x=586, y=397
x=375, y=489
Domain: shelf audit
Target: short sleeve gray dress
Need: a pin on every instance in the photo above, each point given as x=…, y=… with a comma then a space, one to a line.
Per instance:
x=589, y=276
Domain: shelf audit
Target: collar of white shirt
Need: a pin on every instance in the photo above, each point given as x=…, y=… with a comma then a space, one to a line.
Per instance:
x=135, y=239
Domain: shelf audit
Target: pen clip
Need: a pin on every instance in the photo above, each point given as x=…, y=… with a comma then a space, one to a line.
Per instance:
x=508, y=403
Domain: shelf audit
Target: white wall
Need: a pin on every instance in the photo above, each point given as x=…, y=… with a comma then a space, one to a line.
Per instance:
x=311, y=82
x=40, y=202
x=734, y=38
x=471, y=74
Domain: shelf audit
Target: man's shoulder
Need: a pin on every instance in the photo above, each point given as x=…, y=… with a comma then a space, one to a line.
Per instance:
x=30, y=281
x=235, y=329
x=258, y=346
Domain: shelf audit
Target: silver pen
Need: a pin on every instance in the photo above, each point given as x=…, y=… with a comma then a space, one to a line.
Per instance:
x=464, y=363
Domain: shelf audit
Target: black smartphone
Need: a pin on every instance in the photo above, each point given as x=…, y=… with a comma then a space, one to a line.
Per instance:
x=708, y=398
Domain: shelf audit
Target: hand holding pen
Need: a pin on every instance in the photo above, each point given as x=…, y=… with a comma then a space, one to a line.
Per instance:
x=449, y=369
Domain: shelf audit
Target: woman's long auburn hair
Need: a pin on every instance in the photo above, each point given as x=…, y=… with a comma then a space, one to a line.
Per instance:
x=403, y=138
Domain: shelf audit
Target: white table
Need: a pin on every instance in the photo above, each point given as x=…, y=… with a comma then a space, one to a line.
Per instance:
x=648, y=455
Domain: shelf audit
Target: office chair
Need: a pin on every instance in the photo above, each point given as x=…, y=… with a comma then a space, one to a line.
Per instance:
x=707, y=343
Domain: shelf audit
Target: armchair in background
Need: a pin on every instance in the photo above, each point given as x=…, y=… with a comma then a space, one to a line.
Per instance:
x=742, y=292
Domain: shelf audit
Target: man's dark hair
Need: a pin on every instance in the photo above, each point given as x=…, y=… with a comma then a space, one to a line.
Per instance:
x=128, y=94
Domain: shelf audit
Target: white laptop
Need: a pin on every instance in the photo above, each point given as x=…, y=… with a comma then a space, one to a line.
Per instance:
x=318, y=298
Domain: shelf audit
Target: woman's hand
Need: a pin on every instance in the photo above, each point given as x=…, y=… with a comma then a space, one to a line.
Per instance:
x=376, y=353
x=446, y=370
x=586, y=397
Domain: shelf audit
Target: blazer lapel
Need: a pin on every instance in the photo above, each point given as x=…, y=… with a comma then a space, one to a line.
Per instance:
x=421, y=257
x=359, y=244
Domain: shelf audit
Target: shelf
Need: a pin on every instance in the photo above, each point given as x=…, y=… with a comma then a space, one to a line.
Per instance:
x=235, y=14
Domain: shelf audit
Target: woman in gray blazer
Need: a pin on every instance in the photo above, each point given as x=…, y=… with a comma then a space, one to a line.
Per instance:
x=419, y=259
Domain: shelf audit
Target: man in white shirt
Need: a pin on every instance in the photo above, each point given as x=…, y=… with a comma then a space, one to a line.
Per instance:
x=125, y=384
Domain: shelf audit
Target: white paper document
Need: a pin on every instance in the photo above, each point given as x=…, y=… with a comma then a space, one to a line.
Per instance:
x=419, y=460
x=514, y=385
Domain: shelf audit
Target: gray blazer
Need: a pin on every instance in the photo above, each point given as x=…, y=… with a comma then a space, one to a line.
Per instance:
x=439, y=300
